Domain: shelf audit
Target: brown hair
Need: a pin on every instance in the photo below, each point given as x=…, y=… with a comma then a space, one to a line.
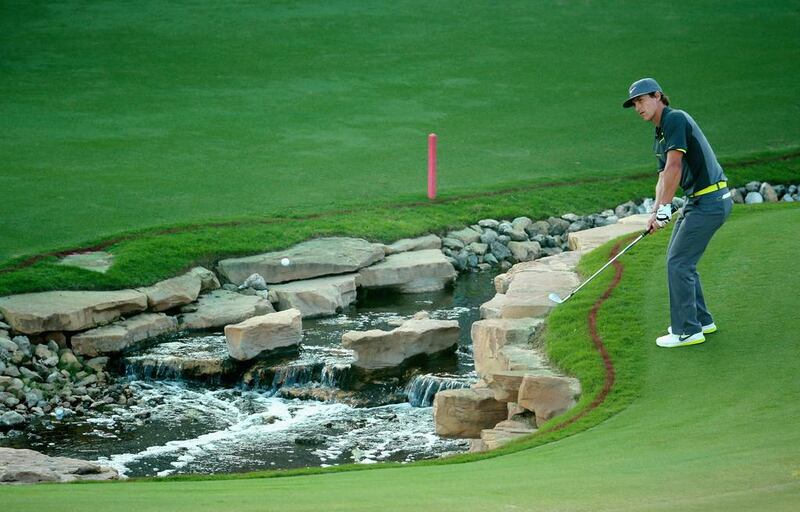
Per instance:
x=664, y=98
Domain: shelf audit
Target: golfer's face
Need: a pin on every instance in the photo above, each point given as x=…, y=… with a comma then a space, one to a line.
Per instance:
x=646, y=106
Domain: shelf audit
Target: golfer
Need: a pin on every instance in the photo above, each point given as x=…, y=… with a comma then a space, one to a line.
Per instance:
x=685, y=158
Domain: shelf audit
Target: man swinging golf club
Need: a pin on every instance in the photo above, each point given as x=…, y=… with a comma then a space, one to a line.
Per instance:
x=685, y=158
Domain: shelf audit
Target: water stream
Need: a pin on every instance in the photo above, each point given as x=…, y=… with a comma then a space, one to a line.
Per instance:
x=303, y=409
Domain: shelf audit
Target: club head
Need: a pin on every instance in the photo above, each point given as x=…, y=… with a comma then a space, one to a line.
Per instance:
x=555, y=298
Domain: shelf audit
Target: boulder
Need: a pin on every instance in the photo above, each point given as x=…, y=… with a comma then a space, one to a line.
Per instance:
x=753, y=198
x=524, y=251
x=314, y=258
x=222, y=307
x=29, y=466
x=173, y=292
x=255, y=281
x=376, y=349
x=34, y=313
x=488, y=223
x=593, y=238
x=464, y=413
x=114, y=338
x=527, y=294
x=548, y=396
x=250, y=338
x=316, y=297
x=736, y=193
x=410, y=272
x=414, y=244
x=208, y=280
x=521, y=223
x=557, y=226
x=198, y=358
x=768, y=193
x=752, y=186
x=489, y=336
x=466, y=236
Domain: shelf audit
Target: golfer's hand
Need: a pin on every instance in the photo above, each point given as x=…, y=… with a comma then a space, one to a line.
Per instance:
x=663, y=215
x=652, y=224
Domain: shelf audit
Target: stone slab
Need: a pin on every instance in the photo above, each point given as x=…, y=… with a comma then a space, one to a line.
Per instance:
x=248, y=339
x=96, y=261
x=173, y=292
x=410, y=272
x=117, y=337
x=464, y=413
x=29, y=466
x=316, y=297
x=34, y=313
x=222, y=307
x=527, y=294
x=307, y=260
x=593, y=238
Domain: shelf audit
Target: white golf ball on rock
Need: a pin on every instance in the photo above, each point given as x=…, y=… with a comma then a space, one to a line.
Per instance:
x=285, y=262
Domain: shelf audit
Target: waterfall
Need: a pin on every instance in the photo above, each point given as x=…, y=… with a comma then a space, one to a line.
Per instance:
x=422, y=388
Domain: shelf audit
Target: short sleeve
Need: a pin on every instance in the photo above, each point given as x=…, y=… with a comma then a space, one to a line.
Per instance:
x=675, y=128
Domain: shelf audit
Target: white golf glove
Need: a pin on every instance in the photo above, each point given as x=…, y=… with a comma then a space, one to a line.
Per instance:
x=664, y=215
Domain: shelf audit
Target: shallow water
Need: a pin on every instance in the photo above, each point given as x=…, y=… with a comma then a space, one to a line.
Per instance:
x=195, y=426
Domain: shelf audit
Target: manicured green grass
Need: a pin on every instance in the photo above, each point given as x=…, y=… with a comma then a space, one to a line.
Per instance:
x=120, y=116
x=709, y=427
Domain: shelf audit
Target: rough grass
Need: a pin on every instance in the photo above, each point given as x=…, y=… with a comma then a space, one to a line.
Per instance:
x=719, y=414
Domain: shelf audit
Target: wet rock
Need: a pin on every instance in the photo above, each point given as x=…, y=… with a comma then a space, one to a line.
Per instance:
x=314, y=258
x=410, y=272
x=68, y=361
x=316, y=297
x=250, y=338
x=376, y=349
x=114, y=338
x=500, y=251
x=98, y=364
x=11, y=418
x=488, y=236
x=222, y=307
x=34, y=313
x=478, y=248
x=173, y=292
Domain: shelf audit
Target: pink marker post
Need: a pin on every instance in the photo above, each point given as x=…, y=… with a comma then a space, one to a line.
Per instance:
x=432, y=166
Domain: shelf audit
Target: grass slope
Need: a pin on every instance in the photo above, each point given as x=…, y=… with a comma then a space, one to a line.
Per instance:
x=119, y=116
x=704, y=428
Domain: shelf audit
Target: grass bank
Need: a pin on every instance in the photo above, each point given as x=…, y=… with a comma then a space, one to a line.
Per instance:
x=144, y=257
x=703, y=428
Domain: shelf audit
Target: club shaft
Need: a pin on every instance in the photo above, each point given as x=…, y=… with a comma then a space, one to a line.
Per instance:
x=612, y=260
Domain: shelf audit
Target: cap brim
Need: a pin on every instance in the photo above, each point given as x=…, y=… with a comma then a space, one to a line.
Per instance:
x=629, y=103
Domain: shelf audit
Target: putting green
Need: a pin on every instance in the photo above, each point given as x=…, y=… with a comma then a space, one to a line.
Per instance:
x=713, y=427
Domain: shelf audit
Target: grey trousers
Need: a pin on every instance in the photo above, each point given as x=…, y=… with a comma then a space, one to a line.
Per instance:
x=697, y=222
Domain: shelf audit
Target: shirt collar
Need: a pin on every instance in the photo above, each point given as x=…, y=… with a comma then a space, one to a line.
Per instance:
x=664, y=113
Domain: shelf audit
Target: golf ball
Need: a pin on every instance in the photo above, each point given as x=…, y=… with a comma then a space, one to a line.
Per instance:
x=285, y=262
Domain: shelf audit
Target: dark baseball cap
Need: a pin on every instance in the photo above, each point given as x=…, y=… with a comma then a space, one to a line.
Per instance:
x=639, y=87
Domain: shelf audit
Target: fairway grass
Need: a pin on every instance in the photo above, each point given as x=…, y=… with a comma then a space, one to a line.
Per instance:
x=122, y=116
x=709, y=427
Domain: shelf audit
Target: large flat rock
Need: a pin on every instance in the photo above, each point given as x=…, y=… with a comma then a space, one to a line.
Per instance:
x=34, y=313
x=30, y=467
x=414, y=244
x=264, y=333
x=221, y=307
x=562, y=262
x=548, y=396
x=117, y=337
x=527, y=294
x=593, y=238
x=173, y=292
x=307, y=260
x=410, y=272
x=316, y=297
x=375, y=349
x=464, y=413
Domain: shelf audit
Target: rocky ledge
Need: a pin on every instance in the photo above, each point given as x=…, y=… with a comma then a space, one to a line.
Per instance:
x=30, y=467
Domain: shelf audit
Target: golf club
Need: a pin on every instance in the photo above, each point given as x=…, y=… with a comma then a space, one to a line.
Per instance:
x=558, y=300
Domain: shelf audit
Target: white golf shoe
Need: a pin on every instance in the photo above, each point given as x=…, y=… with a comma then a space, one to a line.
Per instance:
x=684, y=340
x=707, y=329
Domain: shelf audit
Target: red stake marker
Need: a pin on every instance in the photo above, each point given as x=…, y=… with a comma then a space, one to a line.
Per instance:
x=432, y=166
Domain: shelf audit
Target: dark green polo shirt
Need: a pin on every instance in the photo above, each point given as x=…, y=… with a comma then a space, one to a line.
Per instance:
x=678, y=131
